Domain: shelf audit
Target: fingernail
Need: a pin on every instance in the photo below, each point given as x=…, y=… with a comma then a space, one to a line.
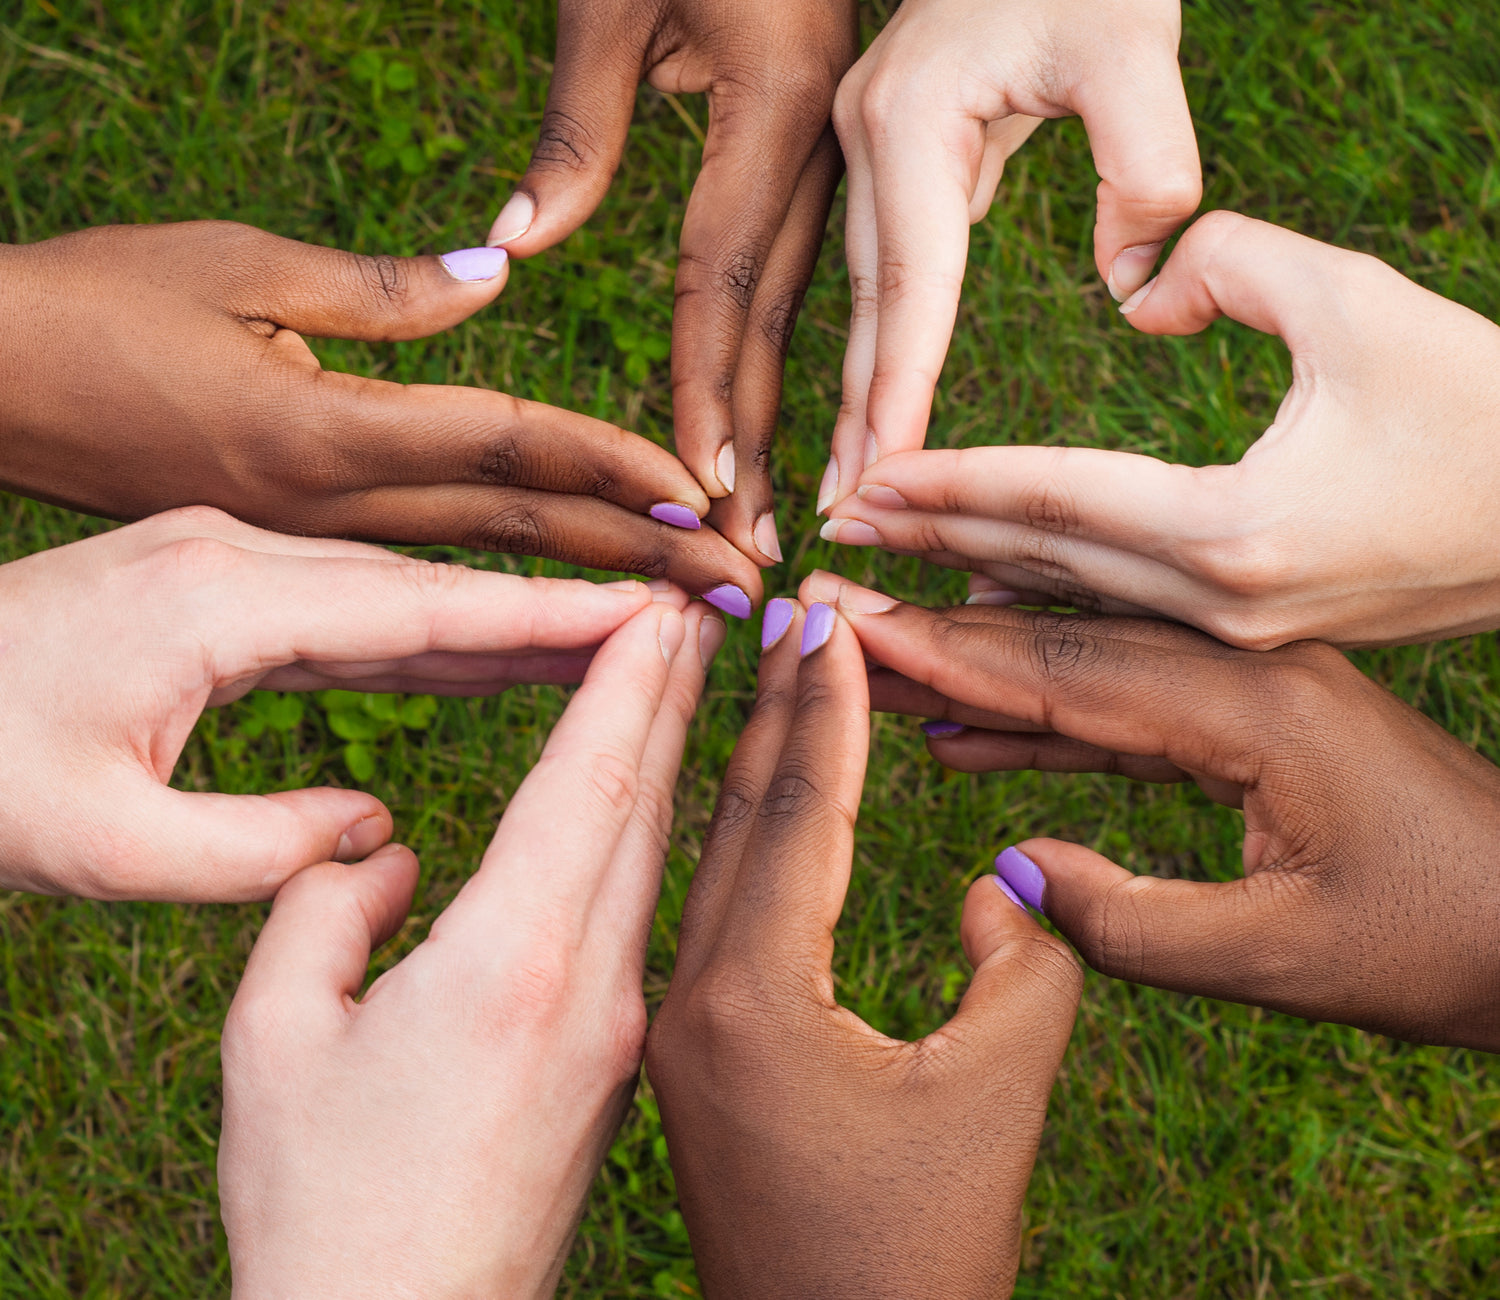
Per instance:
x=861, y=600
x=711, y=633
x=884, y=498
x=679, y=516
x=849, y=532
x=1023, y=876
x=1138, y=297
x=724, y=466
x=514, y=220
x=1129, y=271
x=775, y=621
x=829, y=485
x=872, y=449
x=661, y=590
x=361, y=839
x=730, y=599
x=1009, y=892
x=625, y=584
x=818, y=628
x=765, y=537
x=670, y=635
x=474, y=264
x=995, y=597
x=938, y=730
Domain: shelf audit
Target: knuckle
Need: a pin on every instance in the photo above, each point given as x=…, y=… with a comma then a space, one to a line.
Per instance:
x=789, y=797
x=780, y=321
x=882, y=100
x=564, y=143
x=1111, y=937
x=254, y=1030
x=1251, y=566
x=514, y=529
x=621, y=1045
x=1051, y=510
x=536, y=992
x=1051, y=965
x=501, y=463
x=192, y=562
x=847, y=113
x=383, y=278
x=740, y=276
x=192, y=519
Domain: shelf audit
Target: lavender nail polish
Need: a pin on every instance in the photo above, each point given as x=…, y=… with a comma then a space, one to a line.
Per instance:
x=777, y=618
x=1009, y=892
x=730, y=599
x=669, y=512
x=818, y=628
x=1023, y=876
x=938, y=730
x=474, y=264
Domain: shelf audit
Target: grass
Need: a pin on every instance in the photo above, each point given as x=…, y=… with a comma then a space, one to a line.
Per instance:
x=1195, y=1148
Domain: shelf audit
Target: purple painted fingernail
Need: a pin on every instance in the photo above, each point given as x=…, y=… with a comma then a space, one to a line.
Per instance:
x=818, y=628
x=937, y=730
x=1023, y=876
x=669, y=512
x=1009, y=892
x=778, y=617
x=730, y=599
x=474, y=264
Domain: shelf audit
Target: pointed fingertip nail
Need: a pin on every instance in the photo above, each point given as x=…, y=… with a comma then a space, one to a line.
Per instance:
x=724, y=467
x=711, y=634
x=679, y=516
x=883, y=498
x=849, y=532
x=1022, y=875
x=765, y=537
x=817, y=628
x=939, y=729
x=996, y=597
x=1138, y=297
x=872, y=448
x=1009, y=892
x=473, y=265
x=775, y=621
x=730, y=599
x=514, y=220
x=1130, y=269
x=829, y=486
x=861, y=600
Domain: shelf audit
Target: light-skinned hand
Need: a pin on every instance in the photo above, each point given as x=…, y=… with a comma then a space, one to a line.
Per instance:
x=1364, y=515
x=927, y=118
x=113, y=646
x=149, y=367
x=1369, y=895
x=755, y=220
x=436, y=1137
x=814, y=1155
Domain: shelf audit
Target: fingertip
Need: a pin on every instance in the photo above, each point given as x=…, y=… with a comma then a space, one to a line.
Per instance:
x=475, y=266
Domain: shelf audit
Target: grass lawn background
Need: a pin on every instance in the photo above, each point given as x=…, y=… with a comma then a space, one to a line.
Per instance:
x=1194, y=1148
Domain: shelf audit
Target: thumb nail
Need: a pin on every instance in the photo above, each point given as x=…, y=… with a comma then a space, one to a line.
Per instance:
x=1023, y=876
x=1139, y=296
x=474, y=264
x=514, y=220
x=361, y=839
x=1129, y=271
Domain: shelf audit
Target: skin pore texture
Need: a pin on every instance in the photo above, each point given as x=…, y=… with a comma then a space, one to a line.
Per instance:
x=813, y=1155
x=753, y=224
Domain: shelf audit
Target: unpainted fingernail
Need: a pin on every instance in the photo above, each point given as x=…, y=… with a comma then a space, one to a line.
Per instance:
x=872, y=448
x=994, y=597
x=625, y=584
x=883, y=498
x=861, y=600
x=829, y=486
x=766, y=539
x=724, y=466
x=938, y=729
x=1023, y=876
x=1129, y=270
x=472, y=265
x=711, y=633
x=679, y=516
x=775, y=621
x=817, y=628
x=849, y=532
x=730, y=599
x=661, y=590
x=1009, y=892
x=1138, y=297
x=361, y=839
x=669, y=635
x=514, y=220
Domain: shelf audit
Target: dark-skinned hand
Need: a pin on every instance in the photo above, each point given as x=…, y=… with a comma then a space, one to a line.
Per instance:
x=754, y=223
x=1371, y=835
x=815, y=1156
x=156, y=366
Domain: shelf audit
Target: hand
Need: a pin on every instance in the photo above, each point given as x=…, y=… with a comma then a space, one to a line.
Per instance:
x=157, y=366
x=754, y=224
x=1371, y=835
x=945, y=94
x=1366, y=513
x=813, y=1155
x=113, y=646
x=437, y=1137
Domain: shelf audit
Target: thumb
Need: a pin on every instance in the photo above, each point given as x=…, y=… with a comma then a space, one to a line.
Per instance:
x=220, y=848
x=315, y=947
x=330, y=293
x=1219, y=940
x=582, y=138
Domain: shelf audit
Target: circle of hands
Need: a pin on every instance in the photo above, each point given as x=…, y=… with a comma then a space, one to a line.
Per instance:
x=437, y=1135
